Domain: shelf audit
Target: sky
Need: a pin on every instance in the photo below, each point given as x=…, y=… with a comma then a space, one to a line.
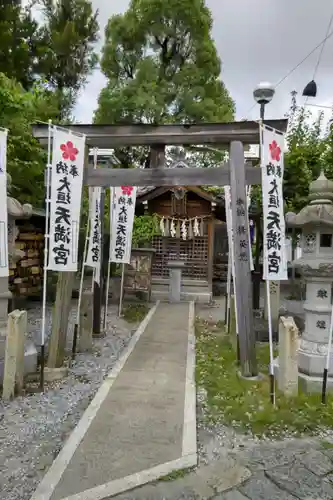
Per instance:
x=257, y=40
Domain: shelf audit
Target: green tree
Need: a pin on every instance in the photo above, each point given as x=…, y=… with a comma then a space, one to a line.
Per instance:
x=69, y=34
x=25, y=158
x=309, y=151
x=162, y=66
x=19, y=42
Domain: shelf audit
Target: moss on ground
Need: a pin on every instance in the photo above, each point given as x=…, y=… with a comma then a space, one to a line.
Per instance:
x=246, y=404
x=134, y=313
x=177, y=474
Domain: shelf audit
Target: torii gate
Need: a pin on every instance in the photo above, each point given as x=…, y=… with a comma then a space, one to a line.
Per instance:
x=234, y=173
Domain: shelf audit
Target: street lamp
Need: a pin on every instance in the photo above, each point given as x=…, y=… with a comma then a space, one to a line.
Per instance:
x=263, y=94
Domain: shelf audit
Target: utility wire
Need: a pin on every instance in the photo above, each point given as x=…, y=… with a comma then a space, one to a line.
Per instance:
x=321, y=44
x=320, y=54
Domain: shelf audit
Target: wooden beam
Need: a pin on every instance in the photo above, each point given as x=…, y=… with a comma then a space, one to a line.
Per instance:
x=219, y=176
x=112, y=136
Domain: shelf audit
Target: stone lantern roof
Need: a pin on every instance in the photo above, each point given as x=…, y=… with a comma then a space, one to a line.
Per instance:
x=319, y=210
x=15, y=209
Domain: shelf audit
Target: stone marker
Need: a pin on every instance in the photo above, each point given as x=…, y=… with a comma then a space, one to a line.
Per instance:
x=86, y=322
x=288, y=356
x=175, y=279
x=14, y=355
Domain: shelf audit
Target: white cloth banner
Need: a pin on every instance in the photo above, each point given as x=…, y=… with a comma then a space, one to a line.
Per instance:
x=228, y=212
x=112, y=208
x=65, y=207
x=121, y=220
x=4, y=272
x=94, y=245
x=275, y=262
x=228, y=215
x=248, y=201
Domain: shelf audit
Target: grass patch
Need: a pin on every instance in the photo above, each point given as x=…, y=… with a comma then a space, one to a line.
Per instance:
x=246, y=404
x=177, y=474
x=134, y=313
x=327, y=445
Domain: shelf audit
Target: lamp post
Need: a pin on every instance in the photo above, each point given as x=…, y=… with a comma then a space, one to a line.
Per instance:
x=263, y=94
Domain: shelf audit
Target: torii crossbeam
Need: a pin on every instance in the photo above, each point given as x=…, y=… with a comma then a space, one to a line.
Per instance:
x=234, y=173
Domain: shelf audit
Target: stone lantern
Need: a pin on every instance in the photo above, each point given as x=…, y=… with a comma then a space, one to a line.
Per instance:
x=316, y=266
x=15, y=211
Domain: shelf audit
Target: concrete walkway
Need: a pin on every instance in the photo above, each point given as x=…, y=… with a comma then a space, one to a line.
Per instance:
x=141, y=424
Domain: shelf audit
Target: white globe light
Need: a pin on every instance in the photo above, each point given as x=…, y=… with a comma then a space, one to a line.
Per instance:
x=264, y=92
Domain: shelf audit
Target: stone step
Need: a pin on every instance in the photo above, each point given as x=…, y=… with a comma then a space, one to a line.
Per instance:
x=198, y=296
x=185, y=282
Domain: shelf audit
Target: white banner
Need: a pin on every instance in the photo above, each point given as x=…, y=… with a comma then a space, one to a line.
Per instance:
x=228, y=212
x=248, y=201
x=275, y=263
x=66, y=191
x=94, y=245
x=121, y=220
x=112, y=208
x=228, y=215
x=4, y=272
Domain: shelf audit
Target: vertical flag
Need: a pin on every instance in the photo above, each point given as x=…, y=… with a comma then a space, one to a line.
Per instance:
x=4, y=272
x=65, y=206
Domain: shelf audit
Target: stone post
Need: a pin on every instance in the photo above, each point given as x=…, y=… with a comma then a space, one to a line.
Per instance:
x=175, y=280
x=288, y=358
x=86, y=322
x=14, y=355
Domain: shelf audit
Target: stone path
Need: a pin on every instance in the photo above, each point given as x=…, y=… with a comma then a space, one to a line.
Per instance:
x=295, y=469
x=140, y=421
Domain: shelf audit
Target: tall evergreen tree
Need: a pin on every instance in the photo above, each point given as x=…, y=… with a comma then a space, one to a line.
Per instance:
x=19, y=42
x=162, y=66
x=69, y=34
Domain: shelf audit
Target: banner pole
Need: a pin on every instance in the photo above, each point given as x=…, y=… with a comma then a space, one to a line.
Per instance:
x=329, y=348
x=46, y=255
x=271, y=353
x=227, y=311
x=121, y=290
x=109, y=262
x=77, y=323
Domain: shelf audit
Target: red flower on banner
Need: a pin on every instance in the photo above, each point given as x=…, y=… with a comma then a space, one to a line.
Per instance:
x=69, y=151
x=127, y=190
x=275, y=151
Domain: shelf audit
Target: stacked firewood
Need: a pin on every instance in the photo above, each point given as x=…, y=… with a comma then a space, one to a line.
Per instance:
x=27, y=273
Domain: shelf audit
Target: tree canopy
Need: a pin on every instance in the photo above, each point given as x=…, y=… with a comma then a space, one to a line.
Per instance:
x=68, y=36
x=25, y=158
x=58, y=52
x=19, y=42
x=42, y=68
x=162, y=66
x=310, y=150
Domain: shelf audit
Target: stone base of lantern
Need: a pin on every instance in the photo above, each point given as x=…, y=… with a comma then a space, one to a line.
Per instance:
x=306, y=383
x=309, y=384
x=312, y=359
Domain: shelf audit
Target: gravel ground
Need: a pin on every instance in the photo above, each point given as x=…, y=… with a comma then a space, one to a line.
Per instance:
x=34, y=428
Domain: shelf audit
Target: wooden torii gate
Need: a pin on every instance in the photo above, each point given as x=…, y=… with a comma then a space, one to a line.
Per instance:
x=234, y=173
